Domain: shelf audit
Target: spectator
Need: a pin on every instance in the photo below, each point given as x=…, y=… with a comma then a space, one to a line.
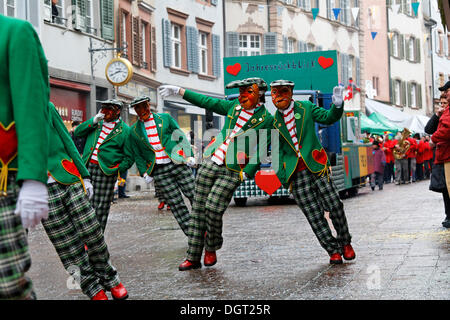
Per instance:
x=379, y=160
x=78, y=141
x=420, y=157
x=388, y=147
x=428, y=157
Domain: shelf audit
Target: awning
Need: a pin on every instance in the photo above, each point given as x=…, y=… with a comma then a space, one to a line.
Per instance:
x=373, y=127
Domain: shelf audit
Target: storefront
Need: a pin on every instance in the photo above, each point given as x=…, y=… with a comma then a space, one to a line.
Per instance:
x=70, y=99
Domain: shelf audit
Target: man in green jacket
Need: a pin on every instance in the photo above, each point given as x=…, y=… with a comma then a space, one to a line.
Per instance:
x=72, y=222
x=163, y=154
x=106, y=135
x=24, y=96
x=229, y=159
x=303, y=164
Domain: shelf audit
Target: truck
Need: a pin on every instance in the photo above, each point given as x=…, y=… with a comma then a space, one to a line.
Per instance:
x=315, y=74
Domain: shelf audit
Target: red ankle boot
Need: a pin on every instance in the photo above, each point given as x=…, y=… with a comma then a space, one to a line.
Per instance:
x=335, y=258
x=349, y=253
x=161, y=205
x=101, y=295
x=119, y=292
x=210, y=258
x=188, y=265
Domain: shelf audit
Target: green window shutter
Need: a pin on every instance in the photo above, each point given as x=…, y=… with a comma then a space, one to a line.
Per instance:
x=167, y=46
x=391, y=91
x=417, y=47
x=107, y=19
x=232, y=44
x=409, y=93
x=419, y=95
x=403, y=93
x=216, y=55
x=270, y=43
x=408, y=58
x=192, y=49
x=401, y=46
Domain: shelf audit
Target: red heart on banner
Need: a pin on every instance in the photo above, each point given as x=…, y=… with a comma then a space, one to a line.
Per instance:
x=234, y=69
x=320, y=156
x=267, y=181
x=8, y=137
x=325, y=62
x=70, y=167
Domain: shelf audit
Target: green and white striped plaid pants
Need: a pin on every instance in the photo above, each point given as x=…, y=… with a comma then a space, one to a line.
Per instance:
x=15, y=259
x=314, y=195
x=70, y=225
x=214, y=188
x=170, y=180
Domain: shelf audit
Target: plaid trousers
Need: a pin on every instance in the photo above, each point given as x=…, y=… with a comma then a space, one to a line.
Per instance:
x=214, y=188
x=315, y=194
x=170, y=180
x=70, y=225
x=15, y=259
x=103, y=192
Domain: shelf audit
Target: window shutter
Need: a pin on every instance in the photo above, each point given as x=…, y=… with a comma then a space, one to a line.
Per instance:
x=407, y=49
x=153, y=49
x=419, y=95
x=401, y=46
x=358, y=72
x=270, y=43
x=107, y=19
x=417, y=48
x=391, y=46
x=216, y=55
x=192, y=49
x=409, y=93
x=21, y=10
x=79, y=14
x=232, y=44
x=137, y=52
x=285, y=44
x=2, y=6
x=403, y=93
x=167, y=48
x=329, y=13
x=391, y=91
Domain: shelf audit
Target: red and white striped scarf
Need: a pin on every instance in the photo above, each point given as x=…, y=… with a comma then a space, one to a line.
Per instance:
x=106, y=130
x=153, y=139
x=289, y=120
x=219, y=155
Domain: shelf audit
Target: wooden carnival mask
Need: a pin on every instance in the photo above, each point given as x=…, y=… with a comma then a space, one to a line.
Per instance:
x=249, y=96
x=281, y=96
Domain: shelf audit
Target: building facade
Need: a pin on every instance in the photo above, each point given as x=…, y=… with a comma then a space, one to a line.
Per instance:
x=255, y=27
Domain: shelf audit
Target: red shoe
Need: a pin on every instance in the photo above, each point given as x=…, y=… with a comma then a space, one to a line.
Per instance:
x=168, y=208
x=119, y=292
x=101, y=295
x=349, y=253
x=161, y=205
x=85, y=248
x=210, y=258
x=188, y=265
x=335, y=258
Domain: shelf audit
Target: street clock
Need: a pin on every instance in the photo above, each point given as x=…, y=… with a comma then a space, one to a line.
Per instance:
x=119, y=71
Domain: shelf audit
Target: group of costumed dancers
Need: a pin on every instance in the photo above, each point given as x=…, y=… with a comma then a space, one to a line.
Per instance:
x=44, y=178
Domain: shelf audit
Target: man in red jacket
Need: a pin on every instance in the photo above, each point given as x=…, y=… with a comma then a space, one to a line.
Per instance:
x=428, y=157
x=388, y=147
x=420, y=157
x=411, y=155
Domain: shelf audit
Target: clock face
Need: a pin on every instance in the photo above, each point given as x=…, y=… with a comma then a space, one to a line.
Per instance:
x=117, y=72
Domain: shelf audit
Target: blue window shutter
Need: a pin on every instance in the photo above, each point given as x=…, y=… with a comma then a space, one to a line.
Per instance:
x=270, y=43
x=192, y=49
x=216, y=55
x=107, y=16
x=167, y=47
x=232, y=44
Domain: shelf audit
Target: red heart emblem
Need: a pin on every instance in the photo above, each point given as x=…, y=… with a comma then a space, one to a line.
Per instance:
x=234, y=69
x=242, y=159
x=8, y=137
x=325, y=62
x=70, y=167
x=267, y=181
x=181, y=153
x=320, y=156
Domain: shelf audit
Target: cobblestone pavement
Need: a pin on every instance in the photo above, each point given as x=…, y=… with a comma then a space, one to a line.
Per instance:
x=270, y=252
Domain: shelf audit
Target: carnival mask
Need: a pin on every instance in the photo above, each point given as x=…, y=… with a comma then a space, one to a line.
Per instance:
x=111, y=114
x=249, y=96
x=143, y=111
x=281, y=96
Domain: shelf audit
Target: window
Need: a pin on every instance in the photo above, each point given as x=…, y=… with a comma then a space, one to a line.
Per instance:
x=290, y=45
x=176, y=46
x=376, y=84
x=89, y=18
x=144, y=36
x=203, y=48
x=411, y=49
x=413, y=95
x=249, y=45
x=10, y=8
x=397, y=92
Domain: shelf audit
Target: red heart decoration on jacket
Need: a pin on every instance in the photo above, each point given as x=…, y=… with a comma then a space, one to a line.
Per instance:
x=267, y=181
x=242, y=159
x=325, y=62
x=70, y=167
x=181, y=153
x=8, y=138
x=320, y=156
x=234, y=69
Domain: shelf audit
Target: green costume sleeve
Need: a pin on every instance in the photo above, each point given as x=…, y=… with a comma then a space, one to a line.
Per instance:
x=324, y=116
x=68, y=142
x=85, y=128
x=29, y=86
x=218, y=106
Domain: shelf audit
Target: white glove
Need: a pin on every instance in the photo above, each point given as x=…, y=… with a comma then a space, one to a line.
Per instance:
x=32, y=203
x=89, y=188
x=190, y=162
x=337, y=97
x=99, y=116
x=168, y=90
x=147, y=178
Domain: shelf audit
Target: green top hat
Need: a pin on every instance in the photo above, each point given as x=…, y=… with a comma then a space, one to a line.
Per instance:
x=262, y=85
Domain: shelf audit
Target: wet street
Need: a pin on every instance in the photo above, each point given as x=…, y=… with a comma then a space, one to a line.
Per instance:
x=270, y=252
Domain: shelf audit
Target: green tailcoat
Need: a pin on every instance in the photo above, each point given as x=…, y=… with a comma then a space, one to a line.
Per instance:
x=261, y=119
x=310, y=149
x=172, y=139
x=111, y=156
x=64, y=162
x=24, y=97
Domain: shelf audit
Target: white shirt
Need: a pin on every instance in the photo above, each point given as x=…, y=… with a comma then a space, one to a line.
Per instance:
x=106, y=130
x=153, y=138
